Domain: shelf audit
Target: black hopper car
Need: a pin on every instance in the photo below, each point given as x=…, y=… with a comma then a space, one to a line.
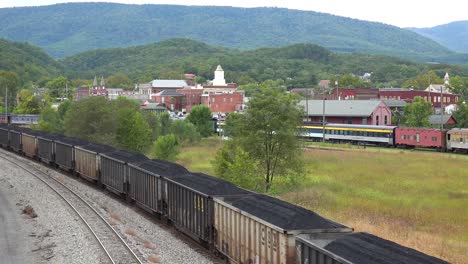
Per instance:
x=239, y=225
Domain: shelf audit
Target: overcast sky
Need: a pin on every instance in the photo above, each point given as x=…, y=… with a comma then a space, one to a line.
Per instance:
x=402, y=13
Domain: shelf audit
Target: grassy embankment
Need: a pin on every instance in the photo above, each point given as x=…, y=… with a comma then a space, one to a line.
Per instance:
x=418, y=199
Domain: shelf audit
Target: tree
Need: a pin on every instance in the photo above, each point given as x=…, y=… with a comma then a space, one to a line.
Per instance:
x=424, y=80
x=139, y=136
x=92, y=119
x=461, y=115
x=201, y=118
x=9, y=81
x=119, y=80
x=267, y=135
x=417, y=113
x=459, y=85
x=166, y=147
x=28, y=103
x=58, y=87
x=185, y=132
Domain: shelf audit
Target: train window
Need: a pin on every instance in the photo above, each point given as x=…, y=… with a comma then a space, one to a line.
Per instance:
x=434, y=139
x=402, y=137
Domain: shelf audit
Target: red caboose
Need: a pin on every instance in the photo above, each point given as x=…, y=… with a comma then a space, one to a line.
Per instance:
x=420, y=137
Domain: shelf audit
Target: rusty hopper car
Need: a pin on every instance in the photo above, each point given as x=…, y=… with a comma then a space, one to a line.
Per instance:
x=190, y=203
x=146, y=186
x=114, y=170
x=4, y=137
x=356, y=248
x=261, y=229
x=64, y=152
x=45, y=147
x=29, y=142
x=88, y=160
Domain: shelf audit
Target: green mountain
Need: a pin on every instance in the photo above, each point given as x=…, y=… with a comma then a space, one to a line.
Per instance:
x=30, y=63
x=453, y=35
x=300, y=65
x=66, y=29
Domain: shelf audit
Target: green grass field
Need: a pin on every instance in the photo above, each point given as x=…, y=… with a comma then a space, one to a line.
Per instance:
x=419, y=199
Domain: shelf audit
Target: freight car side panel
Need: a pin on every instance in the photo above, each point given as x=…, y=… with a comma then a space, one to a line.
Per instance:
x=29, y=145
x=145, y=189
x=113, y=175
x=64, y=156
x=45, y=150
x=307, y=253
x=4, y=138
x=457, y=139
x=190, y=211
x=15, y=141
x=245, y=240
x=87, y=164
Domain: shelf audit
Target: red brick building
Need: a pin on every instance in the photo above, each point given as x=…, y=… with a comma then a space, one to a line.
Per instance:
x=408, y=96
x=173, y=100
x=226, y=102
x=192, y=98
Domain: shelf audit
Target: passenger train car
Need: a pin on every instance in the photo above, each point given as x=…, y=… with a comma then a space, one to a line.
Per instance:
x=239, y=225
x=391, y=136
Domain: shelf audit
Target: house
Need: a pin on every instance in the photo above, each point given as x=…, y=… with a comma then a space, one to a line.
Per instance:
x=447, y=120
x=153, y=107
x=364, y=112
x=173, y=100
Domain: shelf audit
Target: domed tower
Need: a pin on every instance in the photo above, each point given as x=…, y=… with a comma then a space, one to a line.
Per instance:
x=219, y=77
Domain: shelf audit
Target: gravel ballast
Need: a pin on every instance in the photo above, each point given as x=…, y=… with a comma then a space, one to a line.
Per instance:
x=151, y=240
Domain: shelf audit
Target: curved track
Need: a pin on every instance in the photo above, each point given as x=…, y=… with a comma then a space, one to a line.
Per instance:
x=116, y=249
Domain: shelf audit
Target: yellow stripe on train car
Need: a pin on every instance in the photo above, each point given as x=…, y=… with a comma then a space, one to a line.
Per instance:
x=352, y=129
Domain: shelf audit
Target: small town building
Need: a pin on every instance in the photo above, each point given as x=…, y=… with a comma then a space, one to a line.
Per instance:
x=408, y=96
x=173, y=100
x=225, y=102
x=362, y=112
x=192, y=97
x=447, y=120
x=161, y=85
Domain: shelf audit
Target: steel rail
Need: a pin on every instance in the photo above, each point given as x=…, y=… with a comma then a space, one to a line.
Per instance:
x=133, y=257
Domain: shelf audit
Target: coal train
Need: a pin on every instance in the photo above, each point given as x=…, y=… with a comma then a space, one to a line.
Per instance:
x=238, y=225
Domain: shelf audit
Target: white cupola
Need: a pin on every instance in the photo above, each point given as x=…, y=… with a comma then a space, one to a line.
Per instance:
x=219, y=77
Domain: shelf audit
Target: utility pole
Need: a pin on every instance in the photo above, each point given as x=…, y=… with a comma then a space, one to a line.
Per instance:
x=6, y=104
x=323, y=120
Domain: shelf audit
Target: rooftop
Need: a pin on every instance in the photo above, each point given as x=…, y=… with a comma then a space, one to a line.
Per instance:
x=362, y=108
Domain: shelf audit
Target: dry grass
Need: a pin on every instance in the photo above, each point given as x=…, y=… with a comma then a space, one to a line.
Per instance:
x=116, y=217
x=154, y=259
x=61, y=179
x=414, y=198
x=29, y=211
x=148, y=245
x=131, y=232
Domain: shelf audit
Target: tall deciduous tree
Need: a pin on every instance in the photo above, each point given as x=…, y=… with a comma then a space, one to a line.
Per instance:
x=92, y=119
x=9, y=81
x=461, y=115
x=417, y=113
x=166, y=147
x=139, y=136
x=424, y=80
x=267, y=135
x=201, y=118
x=59, y=87
x=119, y=80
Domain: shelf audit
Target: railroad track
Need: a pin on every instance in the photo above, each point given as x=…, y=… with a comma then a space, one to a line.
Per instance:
x=115, y=248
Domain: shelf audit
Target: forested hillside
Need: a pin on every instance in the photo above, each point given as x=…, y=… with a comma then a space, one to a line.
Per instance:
x=300, y=65
x=66, y=29
x=30, y=63
x=453, y=35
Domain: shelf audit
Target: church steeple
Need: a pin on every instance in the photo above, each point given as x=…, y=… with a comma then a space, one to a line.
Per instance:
x=447, y=79
x=95, y=82
x=103, y=84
